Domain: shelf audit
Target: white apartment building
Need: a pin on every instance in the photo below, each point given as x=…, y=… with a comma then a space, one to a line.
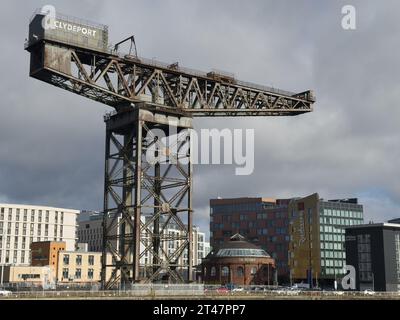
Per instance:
x=91, y=232
x=20, y=225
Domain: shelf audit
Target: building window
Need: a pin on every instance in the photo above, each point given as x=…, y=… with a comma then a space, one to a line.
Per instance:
x=91, y=260
x=253, y=271
x=78, y=273
x=263, y=231
x=213, y=272
x=225, y=271
x=78, y=259
x=240, y=271
x=90, y=273
x=364, y=257
x=65, y=273
x=66, y=259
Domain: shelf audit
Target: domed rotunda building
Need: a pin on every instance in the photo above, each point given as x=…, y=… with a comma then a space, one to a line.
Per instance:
x=238, y=262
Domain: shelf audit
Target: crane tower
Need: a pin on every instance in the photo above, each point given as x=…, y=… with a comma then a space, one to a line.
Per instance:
x=144, y=196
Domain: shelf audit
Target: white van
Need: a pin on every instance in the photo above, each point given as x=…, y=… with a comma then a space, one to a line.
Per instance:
x=5, y=293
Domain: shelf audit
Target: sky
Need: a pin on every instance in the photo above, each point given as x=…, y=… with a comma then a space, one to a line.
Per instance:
x=52, y=141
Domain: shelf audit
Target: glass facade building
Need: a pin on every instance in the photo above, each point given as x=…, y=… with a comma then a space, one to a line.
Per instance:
x=317, y=251
x=334, y=218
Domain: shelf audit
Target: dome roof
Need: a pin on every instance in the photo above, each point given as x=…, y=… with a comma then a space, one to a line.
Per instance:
x=237, y=246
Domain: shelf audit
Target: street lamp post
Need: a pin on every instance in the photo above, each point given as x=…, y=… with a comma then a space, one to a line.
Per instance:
x=334, y=281
x=2, y=275
x=310, y=271
x=373, y=281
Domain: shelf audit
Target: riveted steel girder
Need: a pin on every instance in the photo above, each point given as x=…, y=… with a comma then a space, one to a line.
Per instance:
x=121, y=81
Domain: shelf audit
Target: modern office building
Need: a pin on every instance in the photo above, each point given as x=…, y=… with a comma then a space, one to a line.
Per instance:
x=317, y=236
x=374, y=251
x=238, y=262
x=20, y=225
x=90, y=231
x=263, y=221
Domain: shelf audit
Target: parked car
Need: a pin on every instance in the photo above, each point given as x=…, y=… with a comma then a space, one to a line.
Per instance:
x=369, y=292
x=222, y=290
x=238, y=289
x=5, y=293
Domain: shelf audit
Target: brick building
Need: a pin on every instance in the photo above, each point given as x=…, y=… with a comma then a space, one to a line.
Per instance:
x=45, y=253
x=238, y=262
x=263, y=221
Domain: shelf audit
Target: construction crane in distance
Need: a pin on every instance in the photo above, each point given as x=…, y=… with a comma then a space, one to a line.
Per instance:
x=142, y=198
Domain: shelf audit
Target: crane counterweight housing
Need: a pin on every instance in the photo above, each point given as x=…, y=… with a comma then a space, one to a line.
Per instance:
x=68, y=30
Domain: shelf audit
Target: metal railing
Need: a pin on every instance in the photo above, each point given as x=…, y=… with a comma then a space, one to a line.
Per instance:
x=198, y=291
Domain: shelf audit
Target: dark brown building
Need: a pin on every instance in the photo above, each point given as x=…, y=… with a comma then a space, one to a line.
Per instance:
x=238, y=262
x=263, y=221
x=45, y=253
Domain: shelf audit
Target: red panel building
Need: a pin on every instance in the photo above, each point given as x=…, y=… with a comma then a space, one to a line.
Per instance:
x=263, y=221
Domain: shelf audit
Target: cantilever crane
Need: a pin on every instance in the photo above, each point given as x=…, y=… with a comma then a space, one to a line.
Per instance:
x=142, y=198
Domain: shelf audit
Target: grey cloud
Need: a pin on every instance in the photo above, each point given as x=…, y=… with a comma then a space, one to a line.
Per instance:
x=52, y=142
